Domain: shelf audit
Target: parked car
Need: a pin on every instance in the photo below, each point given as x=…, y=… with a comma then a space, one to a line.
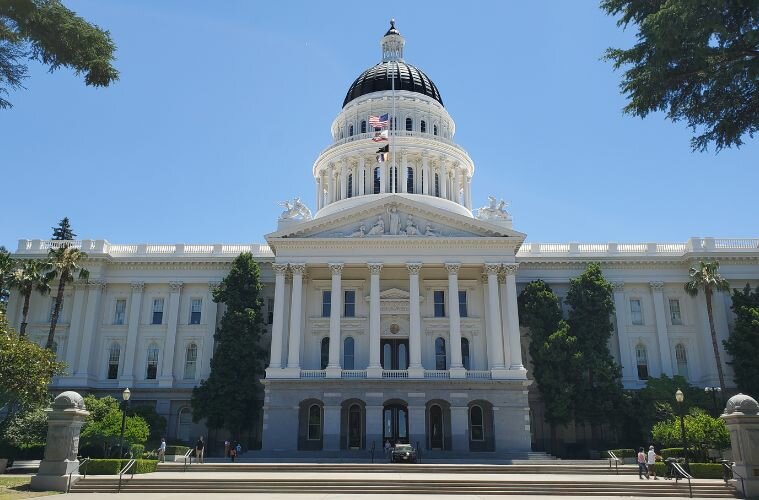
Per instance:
x=403, y=453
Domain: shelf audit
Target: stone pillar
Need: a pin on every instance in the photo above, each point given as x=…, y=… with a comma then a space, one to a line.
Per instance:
x=657, y=287
x=457, y=185
x=625, y=354
x=75, y=328
x=330, y=184
x=91, y=316
x=64, y=422
x=375, y=368
x=444, y=177
x=468, y=192
x=425, y=174
x=336, y=311
x=343, y=180
x=505, y=343
x=494, y=335
x=278, y=319
x=415, y=369
x=742, y=419
x=293, y=356
x=512, y=315
x=135, y=306
x=404, y=173
x=454, y=349
x=331, y=436
x=318, y=180
x=361, y=176
x=459, y=428
x=167, y=369
x=383, y=176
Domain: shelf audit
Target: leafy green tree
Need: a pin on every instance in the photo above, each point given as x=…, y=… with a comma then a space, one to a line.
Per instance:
x=743, y=343
x=65, y=262
x=6, y=268
x=103, y=425
x=598, y=392
x=63, y=230
x=31, y=275
x=553, y=353
x=26, y=370
x=232, y=392
x=697, y=61
x=26, y=429
x=48, y=32
x=156, y=422
x=701, y=431
x=707, y=278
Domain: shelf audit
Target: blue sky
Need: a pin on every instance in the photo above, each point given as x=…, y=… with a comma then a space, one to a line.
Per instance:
x=223, y=107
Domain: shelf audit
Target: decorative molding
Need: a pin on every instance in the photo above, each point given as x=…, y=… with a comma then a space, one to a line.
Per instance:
x=298, y=269
x=96, y=284
x=453, y=268
x=337, y=269
x=492, y=268
x=618, y=286
x=279, y=269
x=656, y=286
x=374, y=268
x=175, y=286
x=414, y=268
x=510, y=269
x=138, y=286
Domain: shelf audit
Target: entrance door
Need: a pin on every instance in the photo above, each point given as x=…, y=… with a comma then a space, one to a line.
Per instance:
x=436, y=428
x=354, y=427
x=394, y=353
x=395, y=424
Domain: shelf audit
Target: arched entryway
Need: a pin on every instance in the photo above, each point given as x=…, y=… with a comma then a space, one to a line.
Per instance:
x=395, y=422
x=438, y=425
x=353, y=425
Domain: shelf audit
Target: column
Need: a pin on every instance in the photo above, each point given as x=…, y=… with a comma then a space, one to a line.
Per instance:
x=375, y=369
x=336, y=311
x=278, y=320
x=135, y=306
x=318, y=180
x=512, y=315
x=657, y=287
x=91, y=315
x=212, y=308
x=625, y=354
x=293, y=355
x=167, y=370
x=468, y=192
x=343, y=180
x=456, y=184
x=494, y=335
x=75, y=328
x=454, y=349
x=443, y=180
x=383, y=175
x=361, y=176
x=330, y=184
x=425, y=174
x=504, y=319
x=404, y=173
x=415, y=368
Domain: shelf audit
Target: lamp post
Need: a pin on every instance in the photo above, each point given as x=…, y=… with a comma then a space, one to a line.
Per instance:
x=680, y=398
x=714, y=391
x=124, y=404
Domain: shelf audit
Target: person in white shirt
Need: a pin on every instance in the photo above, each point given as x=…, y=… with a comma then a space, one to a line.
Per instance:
x=651, y=461
x=162, y=450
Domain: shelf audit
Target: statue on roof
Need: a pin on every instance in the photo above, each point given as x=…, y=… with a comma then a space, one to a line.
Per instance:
x=494, y=210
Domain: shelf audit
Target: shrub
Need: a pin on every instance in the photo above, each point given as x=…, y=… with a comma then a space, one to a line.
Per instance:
x=177, y=450
x=671, y=452
x=623, y=453
x=106, y=466
x=137, y=450
x=697, y=470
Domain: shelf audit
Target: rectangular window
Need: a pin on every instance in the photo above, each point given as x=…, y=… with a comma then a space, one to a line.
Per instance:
x=157, y=311
x=120, y=312
x=674, y=312
x=439, y=301
x=326, y=303
x=195, y=308
x=269, y=311
x=463, y=312
x=636, y=312
x=152, y=369
x=349, y=304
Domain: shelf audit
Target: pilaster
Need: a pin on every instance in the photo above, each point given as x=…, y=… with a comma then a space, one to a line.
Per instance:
x=133, y=327
x=336, y=312
x=456, y=369
x=375, y=368
x=167, y=369
x=657, y=288
x=415, y=369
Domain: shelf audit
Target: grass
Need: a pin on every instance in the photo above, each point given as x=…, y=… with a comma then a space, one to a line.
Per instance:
x=12, y=488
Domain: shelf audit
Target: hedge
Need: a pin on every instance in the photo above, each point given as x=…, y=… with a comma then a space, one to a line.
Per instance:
x=30, y=452
x=698, y=471
x=137, y=450
x=177, y=450
x=623, y=453
x=105, y=466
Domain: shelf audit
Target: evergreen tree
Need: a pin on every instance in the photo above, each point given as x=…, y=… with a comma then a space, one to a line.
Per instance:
x=63, y=231
x=6, y=269
x=743, y=343
x=232, y=395
x=599, y=390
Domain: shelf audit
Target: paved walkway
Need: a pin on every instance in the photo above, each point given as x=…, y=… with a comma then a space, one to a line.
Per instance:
x=292, y=496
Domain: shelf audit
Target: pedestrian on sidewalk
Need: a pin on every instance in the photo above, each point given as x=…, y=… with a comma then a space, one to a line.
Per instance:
x=238, y=448
x=162, y=450
x=199, y=450
x=642, y=469
x=651, y=461
x=226, y=447
x=233, y=453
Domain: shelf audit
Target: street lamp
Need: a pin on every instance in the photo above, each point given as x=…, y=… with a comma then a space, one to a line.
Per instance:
x=680, y=398
x=714, y=391
x=124, y=405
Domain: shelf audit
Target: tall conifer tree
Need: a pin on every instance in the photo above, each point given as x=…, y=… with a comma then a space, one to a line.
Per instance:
x=63, y=230
x=743, y=343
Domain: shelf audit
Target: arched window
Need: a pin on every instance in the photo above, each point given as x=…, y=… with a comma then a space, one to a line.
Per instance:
x=641, y=357
x=440, y=358
x=113, y=361
x=681, y=355
x=184, y=421
x=423, y=126
x=409, y=180
x=325, y=353
x=476, y=424
x=190, y=360
x=348, y=360
x=395, y=179
x=434, y=130
x=350, y=131
x=376, y=180
x=363, y=126
x=402, y=357
x=387, y=357
x=152, y=368
x=314, y=423
x=350, y=186
x=409, y=124
x=465, y=360
x=437, y=185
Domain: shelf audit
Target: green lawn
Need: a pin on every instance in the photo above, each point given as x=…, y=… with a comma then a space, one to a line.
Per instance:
x=12, y=488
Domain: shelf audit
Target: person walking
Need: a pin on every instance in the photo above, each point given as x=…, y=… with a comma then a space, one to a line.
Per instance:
x=642, y=469
x=226, y=447
x=199, y=450
x=650, y=463
x=162, y=450
x=233, y=453
x=238, y=448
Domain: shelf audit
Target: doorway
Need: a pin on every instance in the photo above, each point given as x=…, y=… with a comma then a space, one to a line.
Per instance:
x=354, y=427
x=395, y=424
x=394, y=354
x=437, y=431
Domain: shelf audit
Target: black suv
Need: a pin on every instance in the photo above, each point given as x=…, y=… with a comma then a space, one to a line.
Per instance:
x=403, y=453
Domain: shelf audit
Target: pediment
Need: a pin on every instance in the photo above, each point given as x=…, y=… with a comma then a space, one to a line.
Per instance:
x=394, y=294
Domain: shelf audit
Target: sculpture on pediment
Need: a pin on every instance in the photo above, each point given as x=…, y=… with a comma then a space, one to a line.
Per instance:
x=395, y=220
x=410, y=229
x=493, y=210
x=297, y=210
x=358, y=233
x=377, y=228
x=430, y=231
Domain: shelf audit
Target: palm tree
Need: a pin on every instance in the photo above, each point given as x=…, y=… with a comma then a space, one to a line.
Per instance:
x=707, y=277
x=29, y=276
x=6, y=268
x=65, y=262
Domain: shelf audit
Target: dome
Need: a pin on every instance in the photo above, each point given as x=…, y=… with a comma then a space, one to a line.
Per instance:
x=741, y=403
x=379, y=78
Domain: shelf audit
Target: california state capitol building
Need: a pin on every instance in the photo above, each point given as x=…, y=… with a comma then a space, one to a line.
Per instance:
x=390, y=304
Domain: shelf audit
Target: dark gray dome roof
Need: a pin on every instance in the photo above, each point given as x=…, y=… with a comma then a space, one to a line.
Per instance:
x=379, y=78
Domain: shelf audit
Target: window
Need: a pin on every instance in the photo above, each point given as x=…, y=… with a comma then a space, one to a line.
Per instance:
x=350, y=131
x=463, y=312
x=349, y=303
x=113, y=361
x=152, y=370
x=395, y=179
x=465, y=359
x=409, y=124
x=641, y=357
x=674, y=312
x=349, y=193
x=190, y=360
x=423, y=126
x=681, y=356
x=636, y=312
x=437, y=185
x=269, y=311
x=438, y=297
x=195, y=307
x=325, y=353
x=440, y=357
x=434, y=130
x=157, y=311
x=348, y=348
x=314, y=423
x=52, y=309
x=376, y=180
x=326, y=303
x=185, y=420
x=363, y=126
x=476, y=427
x=409, y=180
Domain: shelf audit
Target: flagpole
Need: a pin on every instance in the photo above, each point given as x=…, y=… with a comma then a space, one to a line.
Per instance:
x=393, y=126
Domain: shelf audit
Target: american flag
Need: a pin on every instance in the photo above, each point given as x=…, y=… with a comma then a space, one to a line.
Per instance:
x=379, y=121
